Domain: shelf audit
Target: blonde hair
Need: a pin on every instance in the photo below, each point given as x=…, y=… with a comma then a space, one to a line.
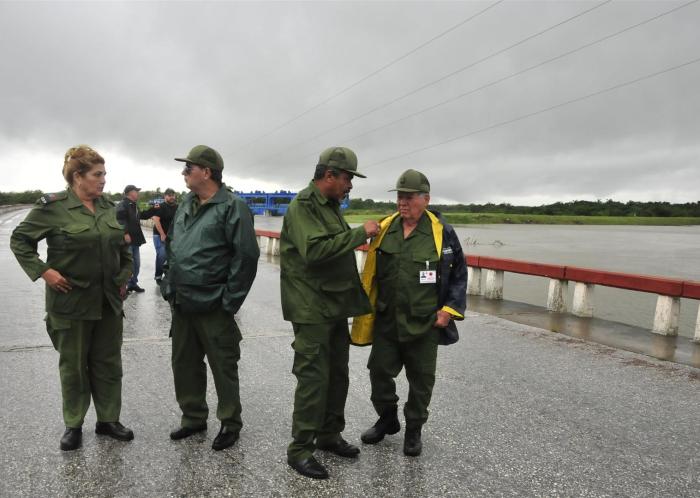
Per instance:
x=80, y=159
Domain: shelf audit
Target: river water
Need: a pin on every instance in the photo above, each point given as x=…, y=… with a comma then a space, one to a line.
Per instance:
x=672, y=252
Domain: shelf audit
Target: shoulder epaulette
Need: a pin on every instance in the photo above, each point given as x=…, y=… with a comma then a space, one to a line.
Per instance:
x=47, y=199
x=304, y=194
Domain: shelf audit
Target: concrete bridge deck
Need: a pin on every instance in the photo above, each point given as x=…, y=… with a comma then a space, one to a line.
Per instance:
x=516, y=411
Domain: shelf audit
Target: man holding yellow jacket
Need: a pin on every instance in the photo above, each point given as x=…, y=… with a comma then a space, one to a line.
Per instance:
x=416, y=278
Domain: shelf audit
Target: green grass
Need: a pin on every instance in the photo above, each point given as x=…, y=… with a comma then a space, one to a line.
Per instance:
x=359, y=216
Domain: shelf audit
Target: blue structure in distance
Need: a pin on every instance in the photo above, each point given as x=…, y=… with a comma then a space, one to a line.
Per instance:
x=273, y=203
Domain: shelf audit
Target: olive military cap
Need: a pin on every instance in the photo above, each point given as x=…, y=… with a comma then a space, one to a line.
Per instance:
x=169, y=191
x=412, y=181
x=340, y=158
x=204, y=156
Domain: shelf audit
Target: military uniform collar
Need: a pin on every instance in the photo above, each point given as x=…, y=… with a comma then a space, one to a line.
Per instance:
x=316, y=192
x=423, y=225
x=72, y=199
x=102, y=201
x=219, y=196
x=396, y=225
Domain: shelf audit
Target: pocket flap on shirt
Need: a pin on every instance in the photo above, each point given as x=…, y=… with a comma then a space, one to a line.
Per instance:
x=115, y=224
x=75, y=228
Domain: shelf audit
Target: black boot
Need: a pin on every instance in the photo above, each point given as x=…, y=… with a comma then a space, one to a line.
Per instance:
x=388, y=423
x=309, y=467
x=226, y=437
x=412, y=445
x=72, y=439
x=114, y=430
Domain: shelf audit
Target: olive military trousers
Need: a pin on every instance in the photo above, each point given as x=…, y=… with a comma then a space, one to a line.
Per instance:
x=388, y=356
x=215, y=335
x=321, y=353
x=90, y=365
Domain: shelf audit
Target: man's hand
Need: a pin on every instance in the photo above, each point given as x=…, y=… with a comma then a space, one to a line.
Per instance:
x=122, y=292
x=371, y=228
x=56, y=281
x=127, y=238
x=443, y=319
x=163, y=237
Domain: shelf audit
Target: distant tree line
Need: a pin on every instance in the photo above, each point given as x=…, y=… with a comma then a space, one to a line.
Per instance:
x=578, y=208
x=30, y=196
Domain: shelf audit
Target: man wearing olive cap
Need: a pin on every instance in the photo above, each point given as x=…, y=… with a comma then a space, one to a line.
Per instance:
x=320, y=290
x=416, y=275
x=212, y=259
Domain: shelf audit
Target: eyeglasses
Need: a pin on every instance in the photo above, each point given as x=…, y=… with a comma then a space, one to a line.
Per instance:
x=188, y=168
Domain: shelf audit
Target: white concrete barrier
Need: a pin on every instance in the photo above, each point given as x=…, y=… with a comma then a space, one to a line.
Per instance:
x=556, y=296
x=473, y=281
x=666, y=316
x=360, y=259
x=583, y=300
x=494, y=284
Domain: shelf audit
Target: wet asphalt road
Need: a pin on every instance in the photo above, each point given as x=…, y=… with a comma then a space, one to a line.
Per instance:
x=516, y=411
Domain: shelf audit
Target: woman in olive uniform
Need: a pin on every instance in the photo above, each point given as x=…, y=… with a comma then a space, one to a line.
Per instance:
x=86, y=270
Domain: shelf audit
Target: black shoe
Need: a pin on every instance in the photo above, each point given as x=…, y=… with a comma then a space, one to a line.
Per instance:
x=412, y=445
x=135, y=288
x=388, y=423
x=183, y=432
x=114, y=430
x=309, y=467
x=225, y=438
x=72, y=439
x=341, y=448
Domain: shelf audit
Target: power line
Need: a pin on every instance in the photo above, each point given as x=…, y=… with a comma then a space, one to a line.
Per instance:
x=442, y=78
x=518, y=73
x=373, y=73
x=535, y=113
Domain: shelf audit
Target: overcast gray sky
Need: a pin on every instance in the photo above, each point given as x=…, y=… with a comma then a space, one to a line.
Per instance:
x=142, y=82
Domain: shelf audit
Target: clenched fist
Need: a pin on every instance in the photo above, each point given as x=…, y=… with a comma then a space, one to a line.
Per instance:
x=371, y=228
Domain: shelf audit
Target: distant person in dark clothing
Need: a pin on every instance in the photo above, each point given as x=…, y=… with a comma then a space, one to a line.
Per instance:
x=163, y=215
x=128, y=214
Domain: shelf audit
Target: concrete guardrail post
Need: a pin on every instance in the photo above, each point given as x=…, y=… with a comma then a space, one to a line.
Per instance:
x=473, y=281
x=697, y=328
x=360, y=258
x=273, y=246
x=666, y=316
x=556, y=296
x=494, y=284
x=583, y=300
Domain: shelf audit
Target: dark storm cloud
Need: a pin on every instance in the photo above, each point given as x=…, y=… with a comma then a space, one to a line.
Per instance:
x=146, y=81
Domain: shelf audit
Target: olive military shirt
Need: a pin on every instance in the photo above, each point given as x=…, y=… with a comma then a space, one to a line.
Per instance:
x=87, y=248
x=318, y=273
x=403, y=302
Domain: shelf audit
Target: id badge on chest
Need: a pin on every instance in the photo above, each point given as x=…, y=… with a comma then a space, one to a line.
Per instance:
x=427, y=276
